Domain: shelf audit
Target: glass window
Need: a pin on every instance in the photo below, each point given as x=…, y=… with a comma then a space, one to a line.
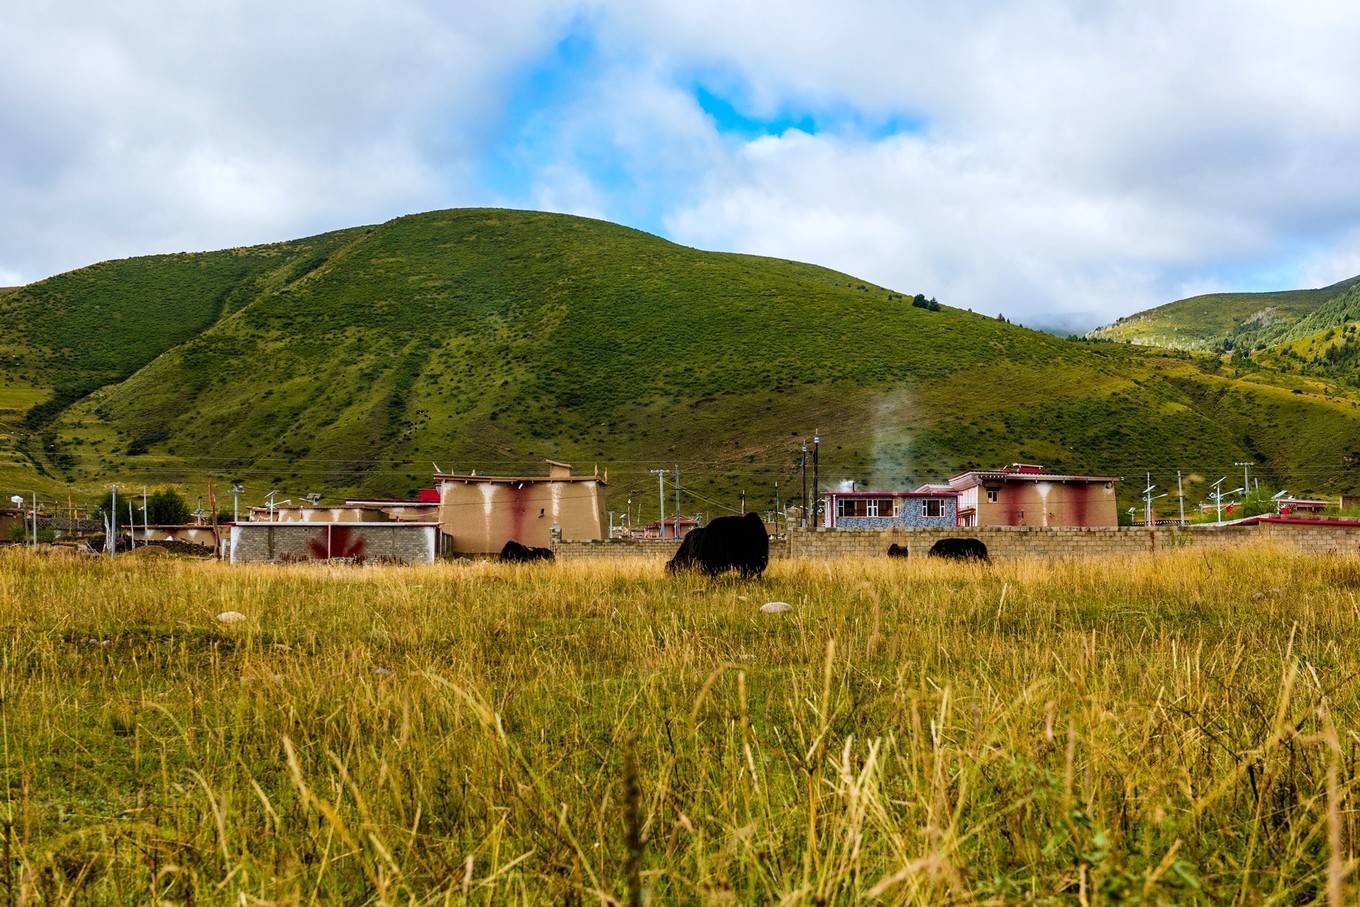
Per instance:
x=991, y=495
x=932, y=507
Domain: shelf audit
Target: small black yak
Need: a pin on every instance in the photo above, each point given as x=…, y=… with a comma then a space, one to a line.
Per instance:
x=959, y=549
x=515, y=553
x=737, y=543
x=896, y=550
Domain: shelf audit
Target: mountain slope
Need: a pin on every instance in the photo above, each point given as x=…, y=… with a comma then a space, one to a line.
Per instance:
x=488, y=339
x=1207, y=322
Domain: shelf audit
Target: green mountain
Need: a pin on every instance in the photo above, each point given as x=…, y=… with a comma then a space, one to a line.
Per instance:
x=348, y=363
x=1216, y=321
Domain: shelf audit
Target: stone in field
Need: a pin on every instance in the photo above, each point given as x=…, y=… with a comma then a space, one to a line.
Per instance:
x=230, y=617
x=775, y=607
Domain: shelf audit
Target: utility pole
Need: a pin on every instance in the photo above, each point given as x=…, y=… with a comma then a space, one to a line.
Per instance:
x=146, y=513
x=661, y=497
x=132, y=527
x=113, y=523
x=676, y=533
x=743, y=502
x=803, y=465
x=237, y=489
x=212, y=504
x=1217, y=495
x=778, y=508
x=1246, y=467
x=35, y=521
x=1180, y=496
x=816, y=478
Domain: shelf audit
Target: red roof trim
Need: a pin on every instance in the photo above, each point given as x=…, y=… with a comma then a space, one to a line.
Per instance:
x=1252, y=520
x=891, y=494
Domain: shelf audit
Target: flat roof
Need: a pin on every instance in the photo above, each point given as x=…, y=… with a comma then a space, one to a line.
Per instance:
x=893, y=494
x=317, y=524
x=982, y=475
x=1305, y=521
x=382, y=503
x=515, y=480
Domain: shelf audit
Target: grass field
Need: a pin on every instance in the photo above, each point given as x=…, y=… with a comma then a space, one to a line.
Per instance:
x=1168, y=730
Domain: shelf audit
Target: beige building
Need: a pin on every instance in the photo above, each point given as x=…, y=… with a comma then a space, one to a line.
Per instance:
x=1023, y=494
x=479, y=514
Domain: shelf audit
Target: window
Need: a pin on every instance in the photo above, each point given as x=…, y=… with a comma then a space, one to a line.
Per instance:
x=932, y=507
x=991, y=495
x=866, y=507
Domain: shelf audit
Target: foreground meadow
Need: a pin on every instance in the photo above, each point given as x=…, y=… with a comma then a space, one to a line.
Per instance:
x=1172, y=729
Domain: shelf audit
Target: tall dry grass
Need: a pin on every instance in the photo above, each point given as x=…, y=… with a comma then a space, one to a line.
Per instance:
x=1177, y=728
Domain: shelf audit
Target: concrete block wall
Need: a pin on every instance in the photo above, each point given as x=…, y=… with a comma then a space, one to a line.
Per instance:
x=644, y=549
x=1007, y=542
x=1313, y=539
x=284, y=542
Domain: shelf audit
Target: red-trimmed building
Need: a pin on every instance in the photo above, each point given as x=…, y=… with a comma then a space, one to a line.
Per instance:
x=1023, y=494
x=931, y=507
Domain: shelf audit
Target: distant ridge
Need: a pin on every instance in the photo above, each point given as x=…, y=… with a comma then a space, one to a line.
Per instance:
x=1215, y=320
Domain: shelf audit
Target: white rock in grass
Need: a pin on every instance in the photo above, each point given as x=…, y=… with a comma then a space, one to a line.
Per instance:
x=775, y=607
x=230, y=617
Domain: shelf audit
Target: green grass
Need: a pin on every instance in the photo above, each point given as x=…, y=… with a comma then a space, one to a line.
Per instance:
x=489, y=339
x=1169, y=729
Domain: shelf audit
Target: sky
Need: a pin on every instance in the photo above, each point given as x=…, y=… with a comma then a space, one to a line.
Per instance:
x=1062, y=163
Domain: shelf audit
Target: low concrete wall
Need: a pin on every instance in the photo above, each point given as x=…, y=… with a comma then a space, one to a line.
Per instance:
x=645, y=549
x=1006, y=542
x=288, y=542
x=1330, y=539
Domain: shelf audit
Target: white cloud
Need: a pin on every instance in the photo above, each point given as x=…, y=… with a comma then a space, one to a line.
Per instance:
x=132, y=127
x=1075, y=158
x=1076, y=161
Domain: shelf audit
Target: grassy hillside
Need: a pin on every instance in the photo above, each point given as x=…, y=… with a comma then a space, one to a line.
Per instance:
x=488, y=339
x=1206, y=322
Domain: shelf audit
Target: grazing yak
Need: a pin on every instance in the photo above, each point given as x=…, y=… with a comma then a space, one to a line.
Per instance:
x=515, y=553
x=896, y=550
x=959, y=549
x=737, y=543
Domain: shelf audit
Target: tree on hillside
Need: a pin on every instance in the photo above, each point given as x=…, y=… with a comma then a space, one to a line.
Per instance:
x=163, y=508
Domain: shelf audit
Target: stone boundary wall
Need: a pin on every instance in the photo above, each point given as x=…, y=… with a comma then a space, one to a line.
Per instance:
x=1006, y=542
x=645, y=549
x=289, y=542
x=1009, y=542
x=1313, y=539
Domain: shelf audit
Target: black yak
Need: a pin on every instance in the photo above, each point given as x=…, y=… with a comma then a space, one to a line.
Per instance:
x=896, y=550
x=959, y=549
x=737, y=543
x=515, y=553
